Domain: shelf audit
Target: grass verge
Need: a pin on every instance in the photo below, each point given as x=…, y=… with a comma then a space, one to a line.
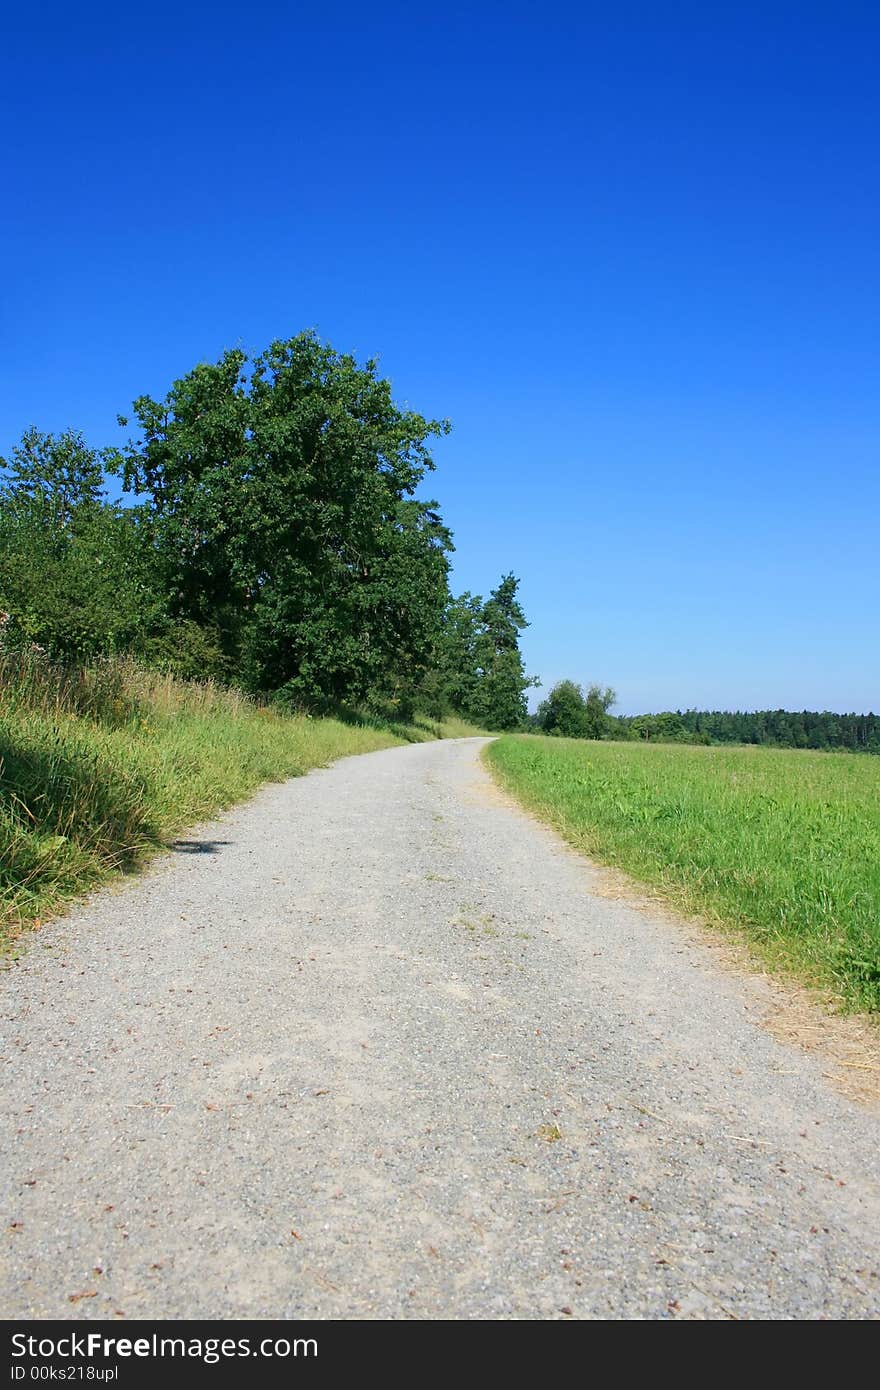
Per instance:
x=100, y=767
x=782, y=845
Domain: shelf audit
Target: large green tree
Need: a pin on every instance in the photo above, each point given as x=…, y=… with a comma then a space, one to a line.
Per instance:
x=283, y=497
x=500, y=700
x=453, y=676
x=598, y=702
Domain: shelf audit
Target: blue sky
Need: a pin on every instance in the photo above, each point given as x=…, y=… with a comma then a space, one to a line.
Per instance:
x=630, y=250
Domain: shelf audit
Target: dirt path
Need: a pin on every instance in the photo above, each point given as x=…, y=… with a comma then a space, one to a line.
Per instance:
x=370, y=1048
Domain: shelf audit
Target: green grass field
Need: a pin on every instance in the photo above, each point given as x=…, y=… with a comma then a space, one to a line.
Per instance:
x=100, y=767
x=785, y=845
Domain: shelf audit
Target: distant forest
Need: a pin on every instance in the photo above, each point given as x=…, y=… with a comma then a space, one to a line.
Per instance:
x=574, y=711
x=775, y=728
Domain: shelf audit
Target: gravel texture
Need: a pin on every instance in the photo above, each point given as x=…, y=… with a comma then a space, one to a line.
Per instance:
x=369, y=1047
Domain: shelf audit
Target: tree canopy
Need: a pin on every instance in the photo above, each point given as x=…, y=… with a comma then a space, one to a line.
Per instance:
x=75, y=576
x=282, y=498
x=275, y=535
x=570, y=711
x=481, y=670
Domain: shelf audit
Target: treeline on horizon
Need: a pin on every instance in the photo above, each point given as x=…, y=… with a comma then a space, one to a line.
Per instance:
x=273, y=538
x=573, y=711
x=777, y=728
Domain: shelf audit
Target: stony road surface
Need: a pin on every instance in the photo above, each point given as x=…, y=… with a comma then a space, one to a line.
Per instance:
x=370, y=1047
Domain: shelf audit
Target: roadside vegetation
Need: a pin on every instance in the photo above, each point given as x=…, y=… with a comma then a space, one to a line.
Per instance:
x=252, y=585
x=264, y=526
x=783, y=845
x=101, y=765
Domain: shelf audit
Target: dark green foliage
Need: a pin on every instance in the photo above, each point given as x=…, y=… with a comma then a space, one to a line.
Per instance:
x=500, y=698
x=457, y=677
x=479, y=666
x=284, y=511
x=564, y=712
x=572, y=712
x=53, y=476
x=50, y=476
x=76, y=576
x=280, y=543
x=192, y=651
x=770, y=728
x=598, y=703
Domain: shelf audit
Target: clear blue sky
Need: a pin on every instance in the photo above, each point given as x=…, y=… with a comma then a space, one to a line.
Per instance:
x=630, y=249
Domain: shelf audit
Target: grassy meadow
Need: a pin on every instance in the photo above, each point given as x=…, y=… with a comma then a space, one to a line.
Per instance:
x=100, y=766
x=785, y=845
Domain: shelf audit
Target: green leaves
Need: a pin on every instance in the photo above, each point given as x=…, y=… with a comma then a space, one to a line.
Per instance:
x=283, y=507
x=280, y=542
x=479, y=661
x=76, y=578
x=51, y=476
x=570, y=711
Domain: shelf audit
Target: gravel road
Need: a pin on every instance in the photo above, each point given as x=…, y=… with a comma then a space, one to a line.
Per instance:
x=370, y=1047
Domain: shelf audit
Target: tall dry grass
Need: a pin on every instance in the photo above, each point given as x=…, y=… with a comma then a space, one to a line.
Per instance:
x=100, y=766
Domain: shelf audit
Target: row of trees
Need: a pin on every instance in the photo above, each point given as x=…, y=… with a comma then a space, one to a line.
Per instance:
x=275, y=538
x=775, y=728
x=574, y=711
